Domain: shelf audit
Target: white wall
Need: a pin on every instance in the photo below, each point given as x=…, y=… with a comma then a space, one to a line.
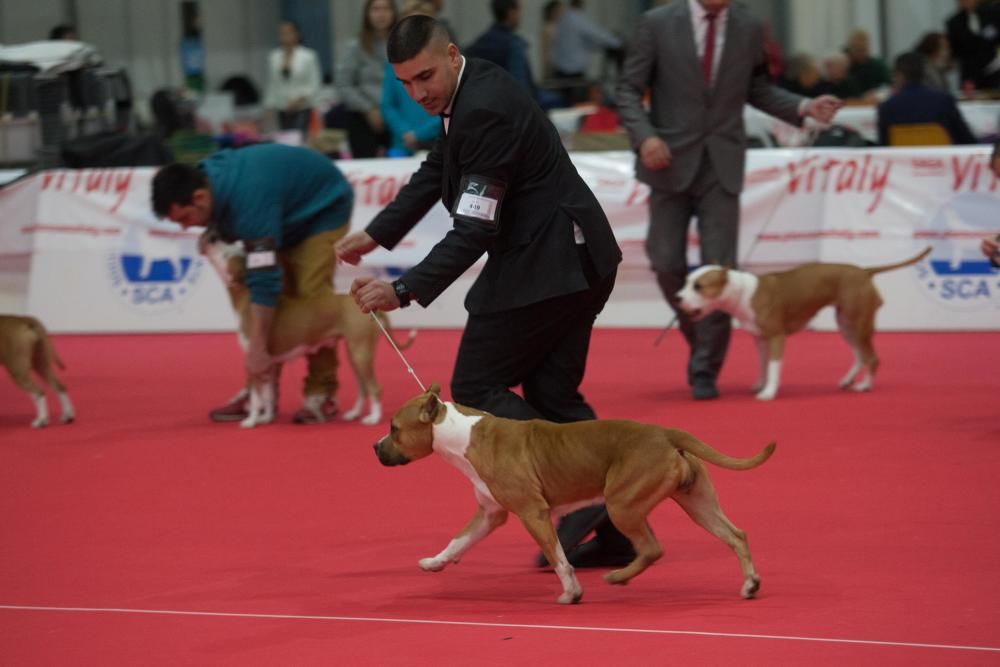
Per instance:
x=27, y=20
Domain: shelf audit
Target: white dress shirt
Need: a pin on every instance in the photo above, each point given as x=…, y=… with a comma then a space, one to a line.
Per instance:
x=303, y=80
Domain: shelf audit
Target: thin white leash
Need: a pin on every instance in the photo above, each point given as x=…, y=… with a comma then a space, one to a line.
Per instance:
x=398, y=351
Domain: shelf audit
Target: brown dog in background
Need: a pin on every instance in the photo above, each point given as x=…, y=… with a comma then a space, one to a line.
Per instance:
x=320, y=323
x=25, y=346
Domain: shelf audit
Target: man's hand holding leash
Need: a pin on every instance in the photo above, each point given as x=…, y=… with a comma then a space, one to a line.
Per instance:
x=370, y=294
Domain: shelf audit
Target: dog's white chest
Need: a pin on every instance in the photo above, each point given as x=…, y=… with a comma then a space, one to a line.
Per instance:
x=451, y=441
x=743, y=285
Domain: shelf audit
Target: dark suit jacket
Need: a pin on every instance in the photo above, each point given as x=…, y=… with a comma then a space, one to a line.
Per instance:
x=502, y=46
x=916, y=103
x=499, y=136
x=974, y=51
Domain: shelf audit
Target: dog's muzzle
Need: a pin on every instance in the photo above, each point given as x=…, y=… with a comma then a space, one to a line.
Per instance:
x=387, y=453
x=694, y=314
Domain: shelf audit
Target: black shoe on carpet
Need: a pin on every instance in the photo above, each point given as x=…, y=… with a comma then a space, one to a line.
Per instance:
x=704, y=389
x=599, y=553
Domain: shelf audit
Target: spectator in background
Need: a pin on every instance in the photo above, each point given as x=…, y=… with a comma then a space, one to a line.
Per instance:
x=839, y=83
x=294, y=78
x=64, y=31
x=914, y=102
x=869, y=73
x=933, y=46
x=577, y=37
x=437, y=8
x=410, y=126
x=773, y=53
x=973, y=36
x=359, y=80
x=502, y=46
x=802, y=76
x=550, y=17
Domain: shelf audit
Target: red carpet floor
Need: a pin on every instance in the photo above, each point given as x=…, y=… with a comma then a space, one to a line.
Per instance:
x=143, y=534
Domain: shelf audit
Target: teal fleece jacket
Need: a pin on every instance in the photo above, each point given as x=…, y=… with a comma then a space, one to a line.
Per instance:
x=276, y=196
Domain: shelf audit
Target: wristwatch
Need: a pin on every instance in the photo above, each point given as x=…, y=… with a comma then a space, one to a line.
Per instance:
x=403, y=293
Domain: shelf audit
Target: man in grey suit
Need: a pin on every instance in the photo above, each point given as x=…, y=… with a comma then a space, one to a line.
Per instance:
x=701, y=60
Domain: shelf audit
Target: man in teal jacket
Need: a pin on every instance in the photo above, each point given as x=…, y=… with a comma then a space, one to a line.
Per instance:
x=288, y=206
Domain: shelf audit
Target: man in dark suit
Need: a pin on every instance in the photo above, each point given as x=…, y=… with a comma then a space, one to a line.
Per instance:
x=916, y=102
x=974, y=35
x=500, y=169
x=702, y=60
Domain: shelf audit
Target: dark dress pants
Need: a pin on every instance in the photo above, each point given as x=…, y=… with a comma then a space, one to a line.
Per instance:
x=542, y=347
x=717, y=212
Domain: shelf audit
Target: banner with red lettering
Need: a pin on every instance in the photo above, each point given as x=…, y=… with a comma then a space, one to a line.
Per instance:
x=100, y=261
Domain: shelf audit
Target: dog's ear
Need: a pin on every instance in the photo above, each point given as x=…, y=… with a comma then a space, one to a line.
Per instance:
x=435, y=389
x=429, y=410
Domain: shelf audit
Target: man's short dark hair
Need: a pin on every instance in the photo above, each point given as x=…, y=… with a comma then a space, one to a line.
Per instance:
x=502, y=9
x=910, y=66
x=61, y=30
x=175, y=184
x=411, y=35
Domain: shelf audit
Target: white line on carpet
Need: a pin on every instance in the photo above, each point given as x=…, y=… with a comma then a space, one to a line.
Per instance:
x=361, y=619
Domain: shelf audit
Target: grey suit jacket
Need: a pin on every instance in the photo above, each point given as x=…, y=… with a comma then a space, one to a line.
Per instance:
x=684, y=111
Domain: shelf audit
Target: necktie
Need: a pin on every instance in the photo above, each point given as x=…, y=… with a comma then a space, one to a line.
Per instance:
x=709, y=55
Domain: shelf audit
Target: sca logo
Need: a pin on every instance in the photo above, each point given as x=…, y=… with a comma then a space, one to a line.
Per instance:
x=154, y=272
x=956, y=274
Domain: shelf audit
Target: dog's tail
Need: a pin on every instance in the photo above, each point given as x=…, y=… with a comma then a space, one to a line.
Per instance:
x=388, y=327
x=686, y=442
x=872, y=270
x=43, y=337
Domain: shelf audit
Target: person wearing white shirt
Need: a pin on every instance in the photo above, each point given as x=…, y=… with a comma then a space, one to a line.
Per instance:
x=293, y=81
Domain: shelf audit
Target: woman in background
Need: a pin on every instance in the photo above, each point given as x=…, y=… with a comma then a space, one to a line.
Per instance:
x=294, y=77
x=550, y=16
x=934, y=47
x=359, y=80
x=410, y=127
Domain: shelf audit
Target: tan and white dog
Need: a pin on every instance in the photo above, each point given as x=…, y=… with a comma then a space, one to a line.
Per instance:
x=774, y=305
x=25, y=346
x=308, y=325
x=540, y=470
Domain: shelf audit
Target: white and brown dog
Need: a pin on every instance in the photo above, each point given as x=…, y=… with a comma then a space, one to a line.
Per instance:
x=25, y=346
x=774, y=305
x=320, y=322
x=539, y=470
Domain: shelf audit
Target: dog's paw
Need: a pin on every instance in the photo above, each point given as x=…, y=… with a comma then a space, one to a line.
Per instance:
x=40, y=423
x=750, y=588
x=617, y=577
x=249, y=422
x=68, y=418
x=372, y=419
x=766, y=394
x=350, y=415
x=571, y=597
x=432, y=564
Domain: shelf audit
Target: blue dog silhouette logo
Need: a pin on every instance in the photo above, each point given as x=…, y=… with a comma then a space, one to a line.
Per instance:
x=956, y=274
x=154, y=270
